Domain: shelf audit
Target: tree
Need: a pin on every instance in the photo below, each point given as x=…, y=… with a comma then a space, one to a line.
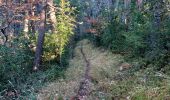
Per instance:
x=52, y=14
x=42, y=29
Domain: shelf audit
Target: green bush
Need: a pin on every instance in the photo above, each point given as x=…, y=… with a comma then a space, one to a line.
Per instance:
x=119, y=40
x=56, y=42
x=16, y=70
x=15, y=63
x=137, y=37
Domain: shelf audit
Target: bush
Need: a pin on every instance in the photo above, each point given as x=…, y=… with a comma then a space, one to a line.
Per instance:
x=15, y=63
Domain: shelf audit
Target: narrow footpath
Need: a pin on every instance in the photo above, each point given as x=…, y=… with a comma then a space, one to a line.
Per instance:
x=90, y=75
x=84, y=88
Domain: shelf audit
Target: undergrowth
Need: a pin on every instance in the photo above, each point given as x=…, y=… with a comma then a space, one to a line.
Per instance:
x=18, y=81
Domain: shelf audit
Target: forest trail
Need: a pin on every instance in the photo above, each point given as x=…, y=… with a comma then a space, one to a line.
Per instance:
x=90, y=75
x=84, y=88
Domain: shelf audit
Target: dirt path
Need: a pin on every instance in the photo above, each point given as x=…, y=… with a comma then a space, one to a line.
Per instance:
x=84, y=88
x=88, y=77
x=87, y=63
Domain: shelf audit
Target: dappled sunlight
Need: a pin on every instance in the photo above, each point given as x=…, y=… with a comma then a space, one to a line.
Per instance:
x=84, y=49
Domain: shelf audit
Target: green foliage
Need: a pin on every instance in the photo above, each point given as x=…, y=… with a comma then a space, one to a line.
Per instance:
x=140, y=96
x=54, y=73
x=16, y=70
x=112, y=37
x=65, y=24
x=56, y=42
x=15, y=63
x=119, y=40
x=137, y=35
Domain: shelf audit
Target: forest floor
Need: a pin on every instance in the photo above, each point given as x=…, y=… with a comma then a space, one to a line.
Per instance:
x=97, y=74
x=90, y=75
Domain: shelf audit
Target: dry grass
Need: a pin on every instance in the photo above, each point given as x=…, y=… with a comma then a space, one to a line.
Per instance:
x=103, y=67
x=107, y=81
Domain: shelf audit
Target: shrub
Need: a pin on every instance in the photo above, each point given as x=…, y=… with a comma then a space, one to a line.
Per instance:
x=15, y=62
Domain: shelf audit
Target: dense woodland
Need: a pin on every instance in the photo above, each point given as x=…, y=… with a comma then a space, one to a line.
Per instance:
x=51, y=41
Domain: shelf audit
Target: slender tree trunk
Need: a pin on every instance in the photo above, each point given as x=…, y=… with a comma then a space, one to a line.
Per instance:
x=32, y=23
x=126, y=13
x=26, y=26
x=116, y=5
x=39, y=47
x=52, y=14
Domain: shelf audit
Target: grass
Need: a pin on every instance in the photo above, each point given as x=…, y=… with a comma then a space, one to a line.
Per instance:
x=107, y=81
x=103, y=66
x=142, y=85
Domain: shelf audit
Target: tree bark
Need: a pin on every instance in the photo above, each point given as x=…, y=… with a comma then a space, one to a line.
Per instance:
x=52, y=14
x=39, y=47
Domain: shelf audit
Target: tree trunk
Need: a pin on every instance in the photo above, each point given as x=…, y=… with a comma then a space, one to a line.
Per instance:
x=126, y=13
x=39, y=47
x=32, y=23
x=26, y=27
x=52, y=14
